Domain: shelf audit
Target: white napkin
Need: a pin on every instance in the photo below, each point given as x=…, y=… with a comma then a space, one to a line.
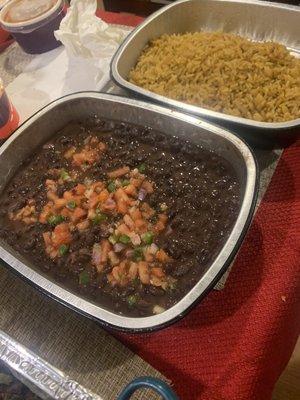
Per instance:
x=86, y=36
x=82, y=64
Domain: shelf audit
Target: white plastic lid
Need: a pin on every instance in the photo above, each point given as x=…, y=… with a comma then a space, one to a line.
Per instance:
x=25, y=10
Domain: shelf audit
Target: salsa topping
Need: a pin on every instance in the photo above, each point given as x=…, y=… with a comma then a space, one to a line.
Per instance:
x=130, y=252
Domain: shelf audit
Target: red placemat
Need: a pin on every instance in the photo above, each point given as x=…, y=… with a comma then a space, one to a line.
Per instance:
x=235, y=344
x=119, y=18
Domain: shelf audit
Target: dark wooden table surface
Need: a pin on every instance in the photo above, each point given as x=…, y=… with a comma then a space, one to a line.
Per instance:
x=147, y=7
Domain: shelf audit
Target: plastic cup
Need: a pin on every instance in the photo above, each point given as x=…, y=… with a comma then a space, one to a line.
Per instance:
x=9, y=118
x=32, y=23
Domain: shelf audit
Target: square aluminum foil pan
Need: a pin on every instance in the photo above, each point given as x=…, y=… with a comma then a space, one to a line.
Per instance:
x=48, y=121
x=257, y=20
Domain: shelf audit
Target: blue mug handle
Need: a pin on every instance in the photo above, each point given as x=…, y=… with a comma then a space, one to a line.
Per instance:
x=148, y=382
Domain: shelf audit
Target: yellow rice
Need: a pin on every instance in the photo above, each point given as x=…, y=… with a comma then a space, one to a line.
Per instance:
x=223, y=72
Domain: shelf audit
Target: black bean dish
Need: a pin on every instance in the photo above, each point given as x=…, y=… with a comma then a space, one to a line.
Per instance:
x=125, y=216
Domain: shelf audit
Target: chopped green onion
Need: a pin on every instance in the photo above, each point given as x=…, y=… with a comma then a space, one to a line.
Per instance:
x=125, y=182
x=84, y=278
x=147, y=237
x=99, y=217
x=63, y=249
x=111, y=187
x=163, y=207
x=131, y=300
x=142, y=168
x=172, y=286
x=113, y=239
x=136, y=281
x=55, y=219
x=138, y=254
x=71, y=204
x=124, y=239
x=64, y=175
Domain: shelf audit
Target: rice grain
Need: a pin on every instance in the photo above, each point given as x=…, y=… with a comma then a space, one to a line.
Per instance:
x=223, y=72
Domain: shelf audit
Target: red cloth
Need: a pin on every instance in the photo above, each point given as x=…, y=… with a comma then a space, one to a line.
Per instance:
x=235, y=344
x=5, y=39
x=119, y=18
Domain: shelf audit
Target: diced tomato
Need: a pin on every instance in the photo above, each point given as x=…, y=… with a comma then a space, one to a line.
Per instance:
x=144, y=272
x=101, y=146
x=136, y=182
x=93, y=200
x=68, y=195
x=80, y=189
x=133, y=270
x=68, y=154
x=157, y=272
x=128, y=221
x=105, y=249
x=123, y=229
x=66, y=213
x=47, y=238
x=61, y=235
x=78, y=213
x=131, y=190
x=103, y=196
x=148, y=186
x=118, y=172
x=59, y=203
x=82, y=226
x=122, y=206
x=162, y=256
x=135, y=213
x=122, y=201
x=141, y=225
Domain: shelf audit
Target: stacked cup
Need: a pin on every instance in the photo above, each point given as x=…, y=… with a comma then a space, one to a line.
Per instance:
x=33, y=22
x=9, y=118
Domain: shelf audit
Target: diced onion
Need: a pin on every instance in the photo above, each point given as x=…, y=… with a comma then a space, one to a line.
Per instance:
x=129, y=253
x=48, y=146
x=142, y=194
x=158, y=309
x=119, y=247
x=87, y=181
x=163, y=207
x=135, y=239
x=96, y=256
x=153, y=249
x=110, y=203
